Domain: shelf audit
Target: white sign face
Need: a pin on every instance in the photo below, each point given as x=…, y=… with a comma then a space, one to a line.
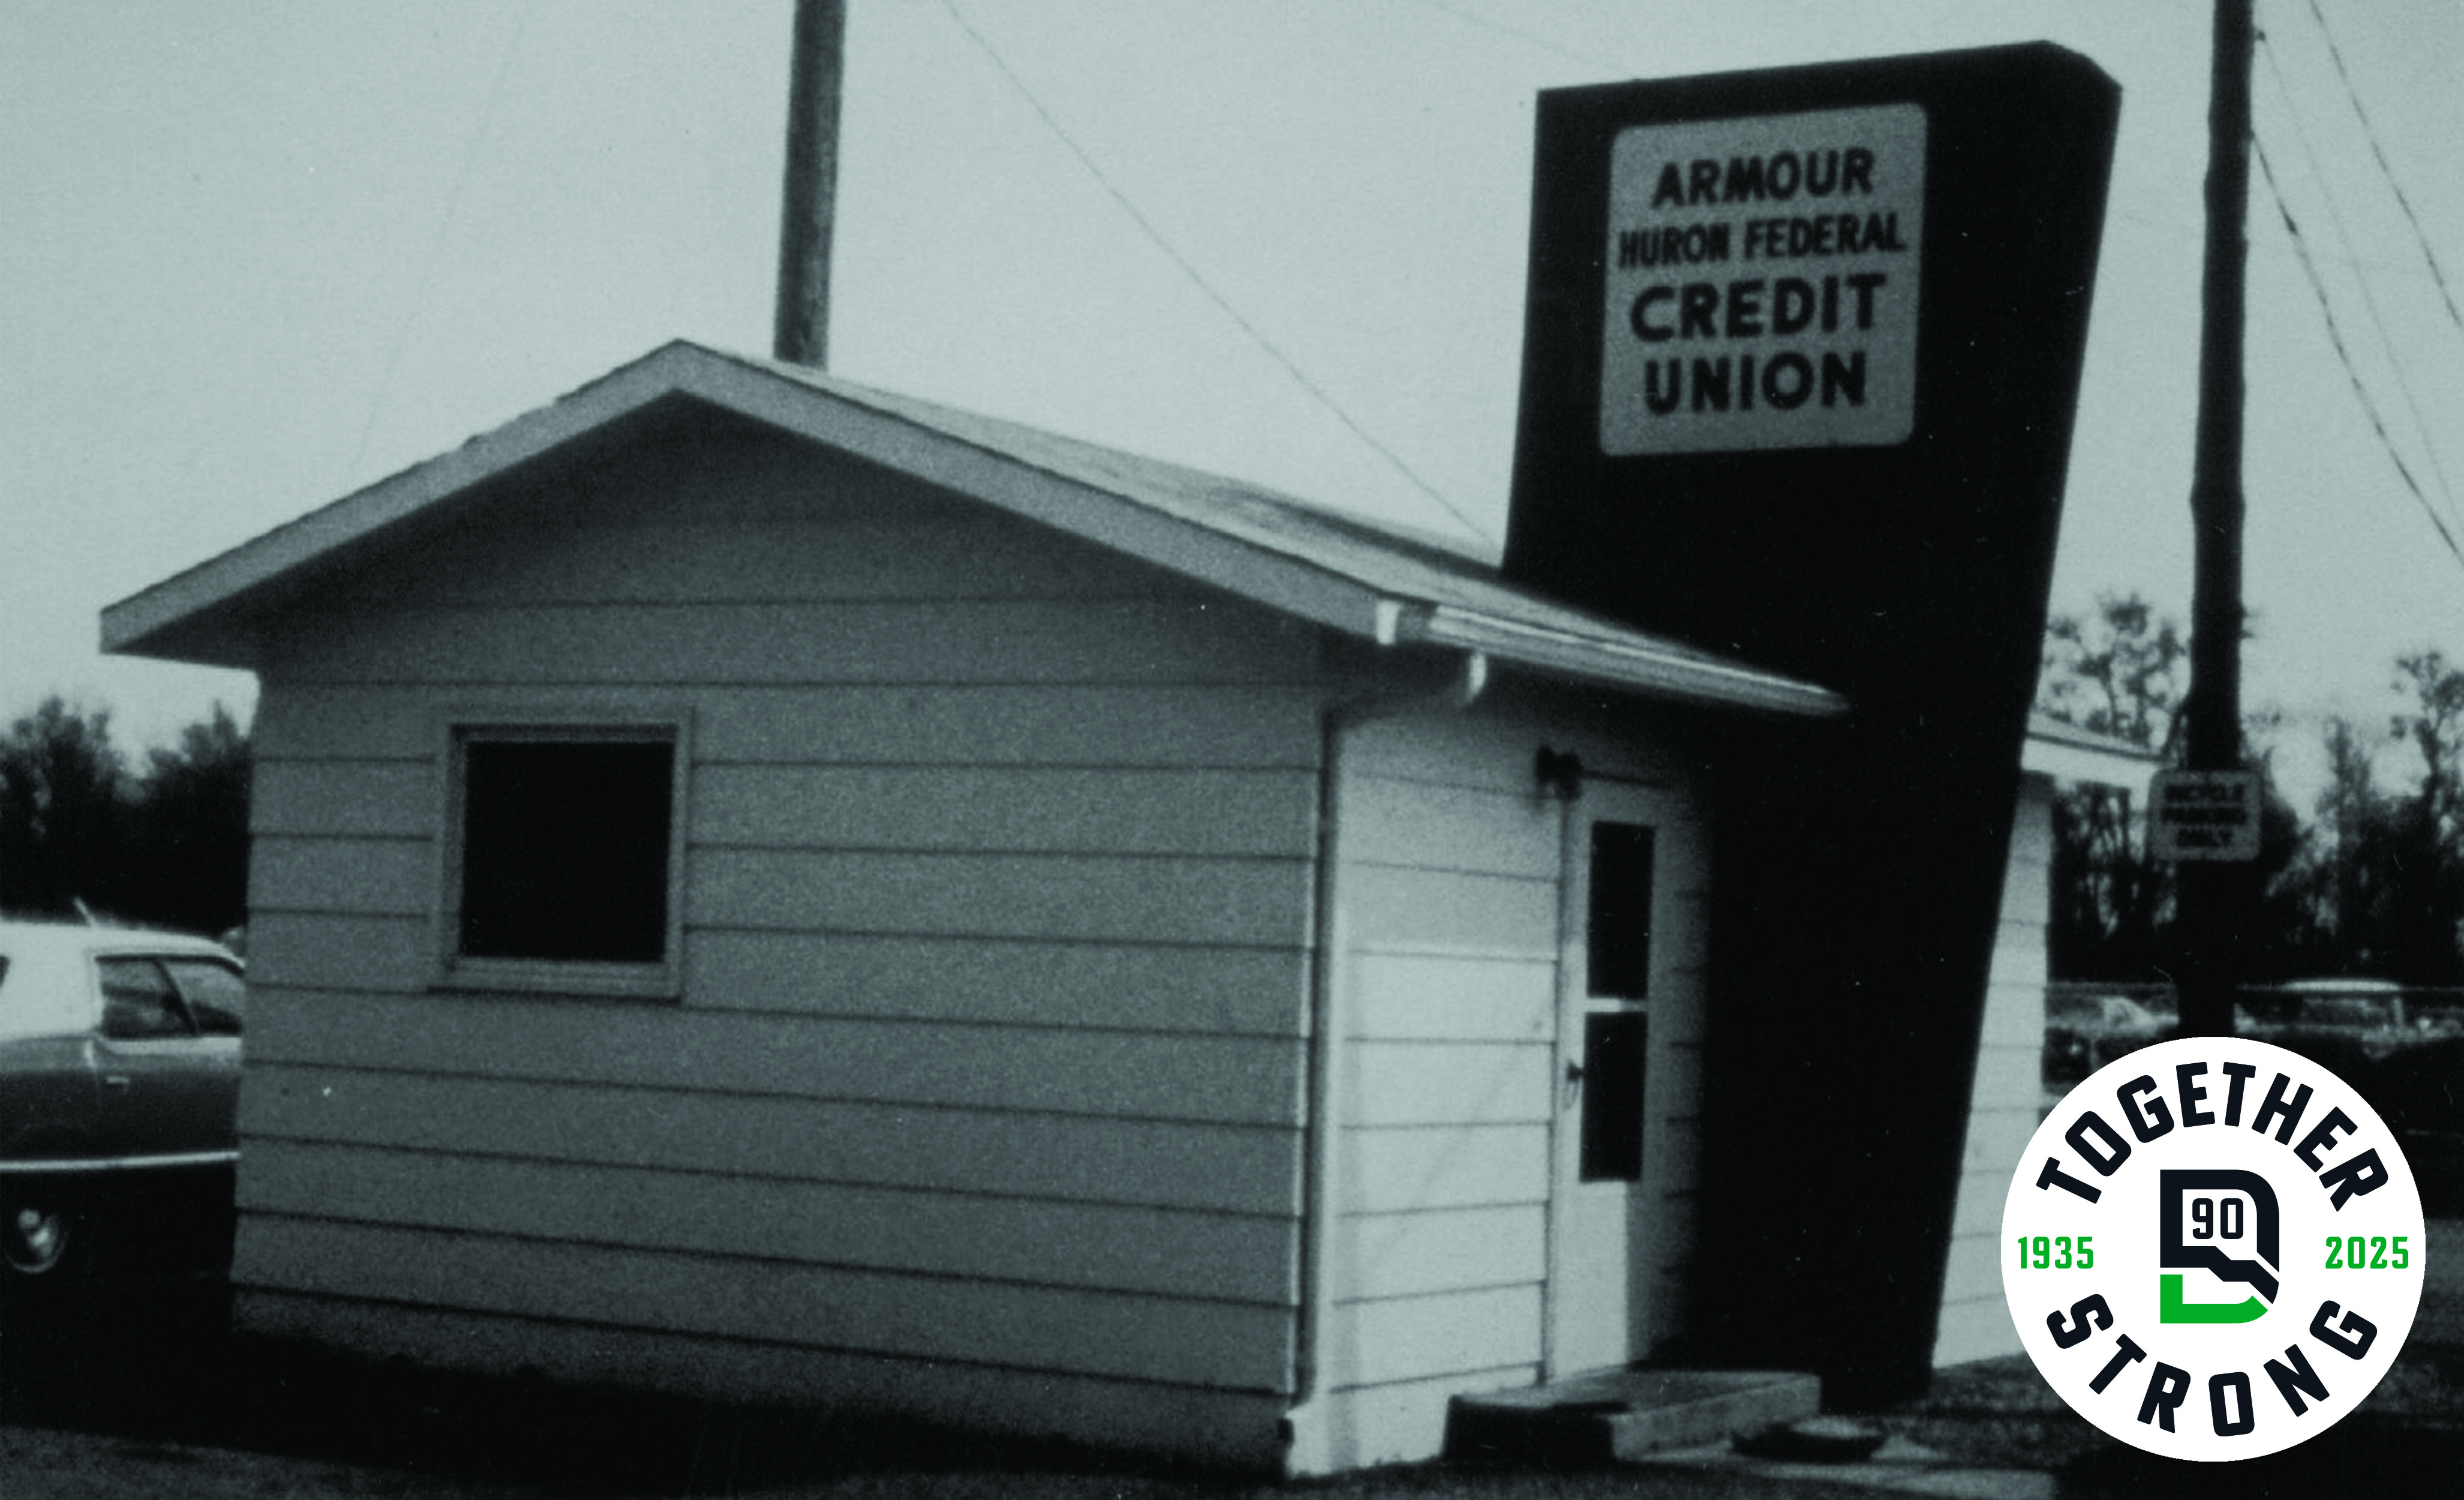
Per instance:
x=1762, y=282
x=2204, y=815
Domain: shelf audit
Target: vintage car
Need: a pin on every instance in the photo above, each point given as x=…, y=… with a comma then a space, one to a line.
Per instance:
x=2084, y=1033
x=119, y=1066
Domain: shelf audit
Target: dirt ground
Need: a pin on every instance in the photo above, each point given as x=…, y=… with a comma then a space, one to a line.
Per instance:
x=140, y=1398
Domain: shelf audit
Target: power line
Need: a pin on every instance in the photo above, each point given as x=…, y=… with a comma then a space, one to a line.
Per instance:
x=2370, y=133
x=1199, y=280
x=2369, y=298
x=436, y=245
x=1471, y=17
x=2335, y=337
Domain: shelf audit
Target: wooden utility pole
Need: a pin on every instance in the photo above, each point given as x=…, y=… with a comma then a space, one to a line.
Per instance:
x=2213, y=897
x=808, y=204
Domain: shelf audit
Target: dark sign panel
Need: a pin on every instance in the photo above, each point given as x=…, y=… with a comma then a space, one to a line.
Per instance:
x=1800, y=362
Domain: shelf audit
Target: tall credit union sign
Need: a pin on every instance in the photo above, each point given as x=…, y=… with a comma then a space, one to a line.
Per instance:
x=1801, y=357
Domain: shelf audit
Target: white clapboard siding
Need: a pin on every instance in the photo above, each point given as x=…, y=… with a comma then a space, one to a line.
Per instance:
x=1005, y=809
x=1235, y=992
x=1974, y=1320
x=1414, y=1254
x=972, y=555
x=1432, y=825
x=1228, y=991
x=1185, y=1341
x=998, y=890
x=945, y=641
x=1134, y=898
x=1394, y=906
x=325, y=950
x=1082, y=897
x=1402, y=1422
x=739, y=517
x=1101, y=1246
x=1046, y=1069
x=1399, y=1170
x=1413, y=1338
x=1449, y=903
x=368, y=797
x=345, y=877
x=1445, y=1083
x=1451, y=997
x=1234, y=1429
x=1065, y=1158
x=1449, y=900
x=1491, y=748
x=1095, y=810
x=930, y=724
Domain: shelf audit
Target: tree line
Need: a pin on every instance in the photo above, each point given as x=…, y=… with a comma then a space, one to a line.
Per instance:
x=2370, y=883
x=158, y=841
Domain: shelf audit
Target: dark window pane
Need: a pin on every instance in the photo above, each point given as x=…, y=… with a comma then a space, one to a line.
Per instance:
x=138, y=1001
x=1615, y=1050
x=565, y=849
x=1619, y=934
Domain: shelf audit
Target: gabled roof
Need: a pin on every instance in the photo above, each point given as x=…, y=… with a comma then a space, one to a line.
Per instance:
x=1378, y=583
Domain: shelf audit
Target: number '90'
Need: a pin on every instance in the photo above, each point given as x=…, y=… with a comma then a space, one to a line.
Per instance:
x=2056, y=1252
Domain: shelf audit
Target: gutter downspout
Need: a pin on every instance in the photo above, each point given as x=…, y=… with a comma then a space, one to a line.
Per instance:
x=1307, y=1445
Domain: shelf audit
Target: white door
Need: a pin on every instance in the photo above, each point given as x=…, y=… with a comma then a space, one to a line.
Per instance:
x=1614, y=942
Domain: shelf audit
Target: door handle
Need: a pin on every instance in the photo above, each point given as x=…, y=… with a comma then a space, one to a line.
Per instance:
x=1573, y=1088
x=115, y=1080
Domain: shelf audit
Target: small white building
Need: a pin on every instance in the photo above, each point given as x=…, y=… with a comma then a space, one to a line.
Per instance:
x=2007, y=1100
x=771, y=889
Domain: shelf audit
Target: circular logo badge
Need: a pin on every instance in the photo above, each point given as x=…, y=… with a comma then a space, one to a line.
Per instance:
x=2212, y=1249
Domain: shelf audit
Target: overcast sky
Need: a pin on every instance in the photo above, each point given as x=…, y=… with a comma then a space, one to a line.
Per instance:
x=258, y=254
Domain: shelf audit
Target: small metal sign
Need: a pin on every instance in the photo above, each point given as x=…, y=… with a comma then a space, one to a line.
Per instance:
x=2211, y=815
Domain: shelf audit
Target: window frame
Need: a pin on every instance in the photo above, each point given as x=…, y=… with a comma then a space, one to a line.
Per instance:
x=454, y=970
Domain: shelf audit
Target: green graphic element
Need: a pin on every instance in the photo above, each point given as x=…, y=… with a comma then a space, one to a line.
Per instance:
x=2174, y=1309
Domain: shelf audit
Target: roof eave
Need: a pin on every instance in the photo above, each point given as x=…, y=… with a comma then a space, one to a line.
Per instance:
x=143, y=619
x=1634, y=664
x=194, y=616
x=176, y=617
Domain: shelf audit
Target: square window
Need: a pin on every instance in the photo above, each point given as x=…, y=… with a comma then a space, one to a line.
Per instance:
x=562, y=858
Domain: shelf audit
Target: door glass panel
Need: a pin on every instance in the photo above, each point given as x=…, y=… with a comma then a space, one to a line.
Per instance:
x=1620, y=932
x=1615, y=1050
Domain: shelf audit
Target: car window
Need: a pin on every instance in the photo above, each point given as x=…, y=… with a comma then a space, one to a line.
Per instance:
x=215, y=993
x=139, y=1002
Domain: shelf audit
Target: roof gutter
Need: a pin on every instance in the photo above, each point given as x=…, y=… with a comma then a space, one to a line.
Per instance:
x=1626, y=663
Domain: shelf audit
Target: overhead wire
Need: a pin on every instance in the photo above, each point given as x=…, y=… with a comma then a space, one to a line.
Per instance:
x=1473, y=18
x=1199, y=280
x=2361, y=279
x=2369, y=132
x=2336, y=338
x=436, y=243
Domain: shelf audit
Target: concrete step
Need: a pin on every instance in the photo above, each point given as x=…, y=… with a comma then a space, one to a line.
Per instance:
x=1618, y=1415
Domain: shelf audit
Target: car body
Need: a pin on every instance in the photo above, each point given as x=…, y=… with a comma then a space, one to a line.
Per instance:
x=120, y=1068
x=2084, y=1033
